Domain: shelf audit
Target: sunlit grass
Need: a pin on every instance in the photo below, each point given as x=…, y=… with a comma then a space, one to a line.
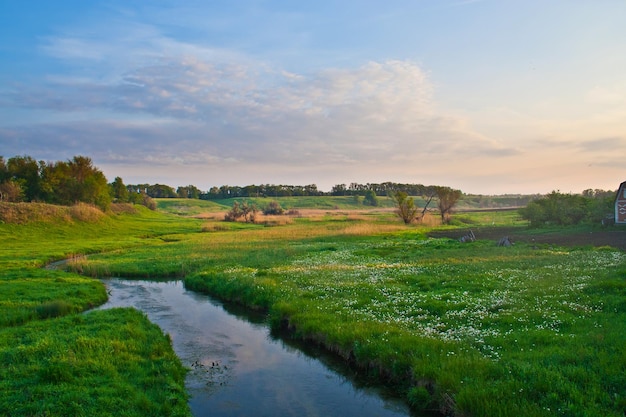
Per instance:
x=483, y=330
x=474, y=329
x=57, y=361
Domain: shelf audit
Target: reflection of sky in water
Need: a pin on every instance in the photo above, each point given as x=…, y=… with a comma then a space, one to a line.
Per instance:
x=237, y=369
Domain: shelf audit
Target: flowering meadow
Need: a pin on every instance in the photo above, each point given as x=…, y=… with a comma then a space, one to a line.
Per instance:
x=468, y=329
x=464, y=329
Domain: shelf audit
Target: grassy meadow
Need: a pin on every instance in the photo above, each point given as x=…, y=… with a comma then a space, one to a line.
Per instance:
x=469, y=329
x=56, y=361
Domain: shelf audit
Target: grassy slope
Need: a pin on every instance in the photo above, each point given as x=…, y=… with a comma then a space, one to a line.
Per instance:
x=475, y=328
x=194, y=207
x=104, y=363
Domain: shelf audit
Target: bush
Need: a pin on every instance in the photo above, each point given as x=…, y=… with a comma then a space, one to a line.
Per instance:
x=566, y=209
x=273, y=208
x=370, y=198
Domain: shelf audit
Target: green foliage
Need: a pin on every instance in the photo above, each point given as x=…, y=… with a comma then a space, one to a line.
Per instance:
x=405, y=207
x=370, y=198
x=568, y=209
x=56, y=362
x=447, y=199
x=119, y=192
x=273, y=208
x=55, y=308
x=475, y=329
x=66, y=183
x=419, y=398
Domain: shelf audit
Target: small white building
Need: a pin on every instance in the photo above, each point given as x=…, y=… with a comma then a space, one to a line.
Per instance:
x=620, y=204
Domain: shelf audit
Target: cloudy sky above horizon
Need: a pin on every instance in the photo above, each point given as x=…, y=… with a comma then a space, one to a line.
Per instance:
x=486, y=96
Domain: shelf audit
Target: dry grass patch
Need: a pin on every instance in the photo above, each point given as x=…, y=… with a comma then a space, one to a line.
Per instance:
x=123, y=208
x=86, y=213
x=22, y=213
x=217, y=216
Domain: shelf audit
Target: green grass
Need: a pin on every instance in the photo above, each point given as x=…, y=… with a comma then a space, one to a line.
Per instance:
x=56, y=361
x=483, y=330
x=188, y=206
x=104, y=363
x=473, y=329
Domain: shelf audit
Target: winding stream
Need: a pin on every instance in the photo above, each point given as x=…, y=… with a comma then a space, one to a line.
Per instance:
x=238, y=368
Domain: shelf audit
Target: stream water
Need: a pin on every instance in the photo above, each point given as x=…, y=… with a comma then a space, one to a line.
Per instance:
x=238, y=368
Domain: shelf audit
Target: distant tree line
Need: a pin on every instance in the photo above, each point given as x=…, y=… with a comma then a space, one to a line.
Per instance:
x=382, y=189
x=368, y=191
x=23, y=178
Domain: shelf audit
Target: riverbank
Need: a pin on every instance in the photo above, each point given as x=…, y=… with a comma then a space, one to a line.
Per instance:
x=469, y=329
x=56, y=361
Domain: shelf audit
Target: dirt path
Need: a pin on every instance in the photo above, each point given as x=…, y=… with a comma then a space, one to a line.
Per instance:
x=615, y=236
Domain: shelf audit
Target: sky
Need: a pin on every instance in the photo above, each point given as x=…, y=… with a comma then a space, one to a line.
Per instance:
x=485, y=96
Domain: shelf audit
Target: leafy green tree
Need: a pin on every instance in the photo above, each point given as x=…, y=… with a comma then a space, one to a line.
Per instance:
x=569, y=209
x=405, y=207
x=119, y=192
x=4, y=171
x=370, y=198
x=190, y=191
x=25, y=172
x=447, y=199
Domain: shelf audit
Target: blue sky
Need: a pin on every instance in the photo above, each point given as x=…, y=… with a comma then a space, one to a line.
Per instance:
x=486, y=96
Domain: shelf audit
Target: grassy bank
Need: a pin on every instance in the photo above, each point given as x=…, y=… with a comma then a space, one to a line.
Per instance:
x=473, y=329
x=56, y=361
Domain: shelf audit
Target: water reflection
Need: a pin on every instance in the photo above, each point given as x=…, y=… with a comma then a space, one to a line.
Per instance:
x=238, y=368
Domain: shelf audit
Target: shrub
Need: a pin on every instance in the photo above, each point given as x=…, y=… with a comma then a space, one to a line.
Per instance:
x=273, y=208
x=370, y=198
x=566, y=209
x=234, y=214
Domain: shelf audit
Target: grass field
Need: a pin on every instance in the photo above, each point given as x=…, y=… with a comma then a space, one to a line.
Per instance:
x=471, y=329
x=55, y=361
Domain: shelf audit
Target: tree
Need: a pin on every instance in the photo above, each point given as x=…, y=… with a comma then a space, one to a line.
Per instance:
x=569, y=209
x=370, y=198
x=190, y=191
x=428, y=196
x=119, y=192
x=25, y=172
x=248, y=211
x=10, y=191
x=406, y=209
x=234, y=213
x=448, y=198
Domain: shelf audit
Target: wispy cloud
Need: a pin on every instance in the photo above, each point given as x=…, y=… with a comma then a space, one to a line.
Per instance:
x=189, y=87
x=232, y=107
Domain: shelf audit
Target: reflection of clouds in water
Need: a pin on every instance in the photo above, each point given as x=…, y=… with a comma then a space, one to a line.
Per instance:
x=236, y=367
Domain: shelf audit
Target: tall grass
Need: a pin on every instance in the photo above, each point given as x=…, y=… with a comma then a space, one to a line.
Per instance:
x=105, y=363
x=469, y=329
x=55, y=361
